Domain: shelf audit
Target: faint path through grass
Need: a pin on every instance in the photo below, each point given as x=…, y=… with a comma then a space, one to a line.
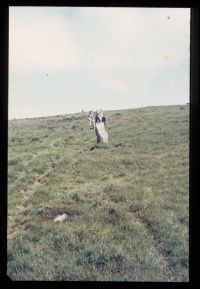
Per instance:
x=165, y=263
x=26, y=195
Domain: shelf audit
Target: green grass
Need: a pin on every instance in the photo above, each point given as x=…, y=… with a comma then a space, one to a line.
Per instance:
x=127, y=201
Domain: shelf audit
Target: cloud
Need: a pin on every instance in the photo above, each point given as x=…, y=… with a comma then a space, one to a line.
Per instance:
x=100, y=38
x=40, y=41
x=109, y=57
x=137, y=37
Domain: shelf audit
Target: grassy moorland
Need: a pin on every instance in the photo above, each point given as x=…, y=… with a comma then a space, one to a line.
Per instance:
x=127, y=202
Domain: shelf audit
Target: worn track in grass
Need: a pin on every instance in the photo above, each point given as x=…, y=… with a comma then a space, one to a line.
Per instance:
x=26, y=196
x=165, y=263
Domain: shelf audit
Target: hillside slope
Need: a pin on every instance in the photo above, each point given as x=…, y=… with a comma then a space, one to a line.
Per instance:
x=127, y=203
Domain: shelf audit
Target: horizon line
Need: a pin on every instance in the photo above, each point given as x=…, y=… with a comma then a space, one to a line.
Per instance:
x=84, y=111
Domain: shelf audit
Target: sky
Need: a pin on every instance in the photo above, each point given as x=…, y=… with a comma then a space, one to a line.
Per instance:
x=68, y=59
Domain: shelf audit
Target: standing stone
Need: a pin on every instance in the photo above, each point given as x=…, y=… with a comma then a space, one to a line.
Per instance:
x=101, y=133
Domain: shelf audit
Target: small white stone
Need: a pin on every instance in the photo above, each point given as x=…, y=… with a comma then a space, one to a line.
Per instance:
x=60, y=218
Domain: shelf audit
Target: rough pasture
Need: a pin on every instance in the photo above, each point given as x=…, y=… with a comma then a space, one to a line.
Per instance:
x=126, y=202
